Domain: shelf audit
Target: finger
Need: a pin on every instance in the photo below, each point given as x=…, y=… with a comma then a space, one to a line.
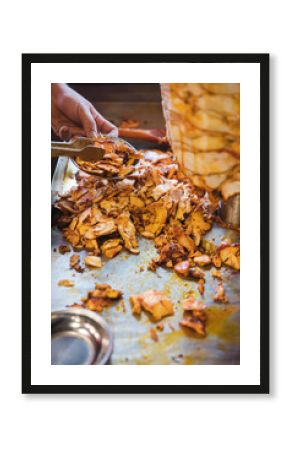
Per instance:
x=88, y=122
x=103, y=125
x=76, y=132
x=61, y=124
x=113, y=132
x=66, y=133
x=107, y=127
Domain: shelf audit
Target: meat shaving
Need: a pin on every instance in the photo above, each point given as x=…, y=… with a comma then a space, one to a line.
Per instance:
x=194, y=315
x=93, y=262
x=220, y=295
x=63, y=249
x=216, y=274
x=153, y=302
x=74, y=263
x=160, y=326
x=66, y=283
x=153, y=334
x=201, y=286
x=182, y=268
x=102, y=296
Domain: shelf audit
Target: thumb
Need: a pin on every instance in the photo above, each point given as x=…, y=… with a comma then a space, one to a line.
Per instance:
x=88, y=122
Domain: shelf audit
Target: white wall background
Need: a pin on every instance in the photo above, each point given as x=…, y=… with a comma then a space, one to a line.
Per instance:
x=151, y=421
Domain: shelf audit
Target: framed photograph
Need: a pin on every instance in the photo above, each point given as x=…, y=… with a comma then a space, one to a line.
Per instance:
x=145, y=245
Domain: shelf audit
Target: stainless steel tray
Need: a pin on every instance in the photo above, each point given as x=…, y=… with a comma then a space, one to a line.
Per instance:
x=127, y=272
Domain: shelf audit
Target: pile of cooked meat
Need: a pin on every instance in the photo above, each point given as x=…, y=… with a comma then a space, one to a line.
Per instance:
x=143, y=193
x=131, y=193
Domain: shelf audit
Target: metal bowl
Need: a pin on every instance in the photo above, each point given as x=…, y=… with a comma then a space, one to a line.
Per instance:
x=79, y=337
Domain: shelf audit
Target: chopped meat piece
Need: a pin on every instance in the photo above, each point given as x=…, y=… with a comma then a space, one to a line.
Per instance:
x=230, y=256
x=216, y=274
x=157, y=304
x=201, y=286
x=63, y=249
x=108, y=168
x=85, y=215
x=196, y=273
x=203, y=260
x=182, y=268
x=197, y=226
x=136, y=202
x=74, y=259
x=153, y=334
x=136, y=305
x=113, y=294
x=159, y=216
x=96, y=304
x=91, y=245
x=160, y=326
x=128, y=232
x=123, y=305
x=102, y=296
x=216, y=260
x=194, y=315
x=171, y=251
x=107, y=226
x=184, y=204
x=83, y=228
x=152, y=265
x=209, y=247
x=73, y=224
x=220, y=296
x=74, y=263
x=160, y=190
x=111, y=248
x=72, y=236
x=184, y=240
x=93, y=262
x=66, y=283
x=154, y=302
x=66, y=206
x=191, y=304
x=190, y=321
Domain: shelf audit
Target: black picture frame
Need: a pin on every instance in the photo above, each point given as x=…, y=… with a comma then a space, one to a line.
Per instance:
x=27, y=61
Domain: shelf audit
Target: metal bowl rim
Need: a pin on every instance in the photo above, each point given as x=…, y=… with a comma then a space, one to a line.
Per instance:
x=95, y=317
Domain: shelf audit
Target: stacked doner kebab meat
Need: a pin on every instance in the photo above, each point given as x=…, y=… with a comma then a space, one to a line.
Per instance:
x=203, y=127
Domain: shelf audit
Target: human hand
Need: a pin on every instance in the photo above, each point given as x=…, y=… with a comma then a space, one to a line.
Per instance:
x=72, y=115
